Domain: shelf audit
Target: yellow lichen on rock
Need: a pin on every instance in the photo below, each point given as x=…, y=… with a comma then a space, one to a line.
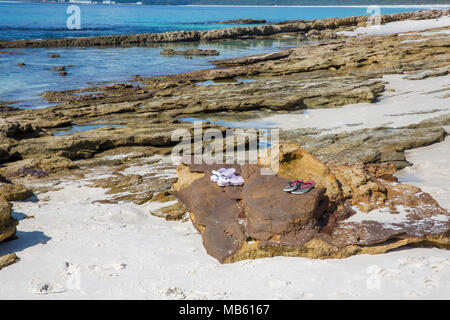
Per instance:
x=358, y=186
x=295, y=162
x=185, y=177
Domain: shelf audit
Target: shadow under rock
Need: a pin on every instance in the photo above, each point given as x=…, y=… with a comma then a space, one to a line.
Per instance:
x=18, y=215
x=22, y=241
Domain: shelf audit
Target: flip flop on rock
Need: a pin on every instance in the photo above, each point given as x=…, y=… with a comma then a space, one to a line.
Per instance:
x=222, y=172
x=293, y=185
x=233, y=180
x=304, y=187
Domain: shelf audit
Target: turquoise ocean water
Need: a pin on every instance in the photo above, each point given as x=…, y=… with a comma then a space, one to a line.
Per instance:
x=92, y=66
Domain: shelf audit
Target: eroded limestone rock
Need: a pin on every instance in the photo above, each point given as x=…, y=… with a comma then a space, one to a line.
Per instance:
x=36, y=167
x=18, y=130
x=7, y=222
x=171, y=212
x=7, y=260
x=14, y=191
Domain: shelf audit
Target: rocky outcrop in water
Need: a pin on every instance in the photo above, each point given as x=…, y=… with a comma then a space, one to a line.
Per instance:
x=244, y=21
x=60, y=68
x=292, y=27
x=260, y=220
x=10, y=52
x=189, y=52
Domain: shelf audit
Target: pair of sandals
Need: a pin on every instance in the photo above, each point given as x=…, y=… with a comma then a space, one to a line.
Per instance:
x=226, y=177
x=299, y=186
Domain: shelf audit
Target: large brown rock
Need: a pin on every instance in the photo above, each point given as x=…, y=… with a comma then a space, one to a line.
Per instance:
x=260, y=220
x=260, y=209
x=271, y=211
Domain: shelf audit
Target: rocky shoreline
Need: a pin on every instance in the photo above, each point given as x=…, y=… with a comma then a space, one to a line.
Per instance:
x=325, y=75
x=244, y=21
x=322, y=28
x=134, y=122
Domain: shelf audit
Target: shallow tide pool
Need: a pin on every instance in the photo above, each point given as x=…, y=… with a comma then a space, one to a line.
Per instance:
x=93, y=66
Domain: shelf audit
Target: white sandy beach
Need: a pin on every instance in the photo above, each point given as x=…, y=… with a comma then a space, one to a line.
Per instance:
x=431, y=170
x=78, y=249
x=404, y=102
x=399, y=27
